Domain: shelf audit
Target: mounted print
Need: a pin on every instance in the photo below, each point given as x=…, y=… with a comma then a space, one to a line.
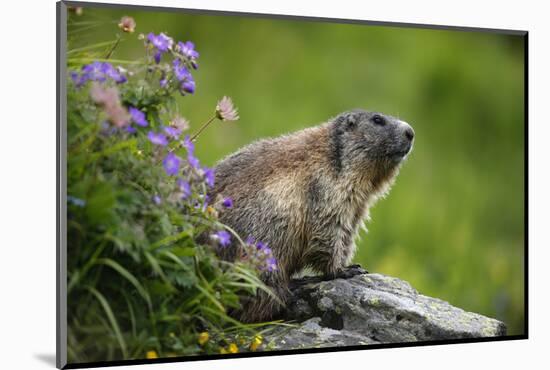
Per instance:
x=218, y=172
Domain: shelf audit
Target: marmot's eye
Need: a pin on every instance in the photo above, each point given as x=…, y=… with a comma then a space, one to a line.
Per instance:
x=379, y=120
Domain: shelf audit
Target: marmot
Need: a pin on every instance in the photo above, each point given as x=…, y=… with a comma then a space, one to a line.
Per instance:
x=305, y=195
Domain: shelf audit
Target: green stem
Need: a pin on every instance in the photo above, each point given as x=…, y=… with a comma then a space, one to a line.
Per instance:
x=193, y=138
x=117, y=61
x=201, y=129
x=114, y=47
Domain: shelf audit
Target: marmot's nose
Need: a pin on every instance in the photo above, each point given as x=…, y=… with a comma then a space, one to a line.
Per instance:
x=409, y=133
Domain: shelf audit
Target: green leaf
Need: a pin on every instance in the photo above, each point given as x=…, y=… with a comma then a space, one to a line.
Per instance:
x=158, y=288
x=91, y=47
x=183, y=251
x=128, y=276
x=171, y=239
x=131, y=313
x=112, y=319
x=121, y=145
x=158, y=270
x=210, y=297
x=100, y=203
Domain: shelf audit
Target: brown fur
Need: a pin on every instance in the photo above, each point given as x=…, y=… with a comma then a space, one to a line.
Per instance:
x=306, y=194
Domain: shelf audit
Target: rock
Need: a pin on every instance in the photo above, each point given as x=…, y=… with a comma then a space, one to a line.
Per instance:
x=358, y=308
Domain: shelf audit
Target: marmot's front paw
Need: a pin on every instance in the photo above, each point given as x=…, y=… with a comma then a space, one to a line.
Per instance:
x=351, y=271
x=345, y=273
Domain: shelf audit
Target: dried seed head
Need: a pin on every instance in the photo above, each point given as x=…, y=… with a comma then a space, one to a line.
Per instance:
x=226, y=111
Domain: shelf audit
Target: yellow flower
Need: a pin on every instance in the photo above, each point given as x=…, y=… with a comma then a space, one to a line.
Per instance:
x=212, y=211
x=203, y=338
x=151, y=354
x=223, y=350
x=256, y=342
x=233, y=348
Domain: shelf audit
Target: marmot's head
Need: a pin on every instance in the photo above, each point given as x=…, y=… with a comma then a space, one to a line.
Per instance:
x=370, y=140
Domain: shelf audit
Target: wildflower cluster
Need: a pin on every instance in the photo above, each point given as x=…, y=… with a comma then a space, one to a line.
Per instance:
x=174, y=75
x=137, y=188
x=100, y=72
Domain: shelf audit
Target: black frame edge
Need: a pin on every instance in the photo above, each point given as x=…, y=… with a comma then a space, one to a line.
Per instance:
x=61, y=209
x=526, y=184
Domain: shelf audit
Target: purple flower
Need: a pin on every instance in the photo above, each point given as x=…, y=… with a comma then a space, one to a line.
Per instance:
x=204, y=204
x=227, y=202
x=172, y=131
x=156, y=199
x=188, y=49
x=114, y=73
x=193, y=161
x=223, y=237
x=188, y=86
x=98, y=71
x=163, y=81
x=131, y=129
x=157, y=56
x=138, y=117
x=260, y=246
x=180, y=70
x=171, y=164
x=187, y=83
x=271, y=264
x=161, y=42
x=95, y=71
x=188, y=144
x=250, y=240
x=184, y=187
x=157, y=138
x=75, y=77
x=209, y=176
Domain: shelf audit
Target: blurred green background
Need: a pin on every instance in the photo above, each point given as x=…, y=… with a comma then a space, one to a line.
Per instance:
x=453, y=224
